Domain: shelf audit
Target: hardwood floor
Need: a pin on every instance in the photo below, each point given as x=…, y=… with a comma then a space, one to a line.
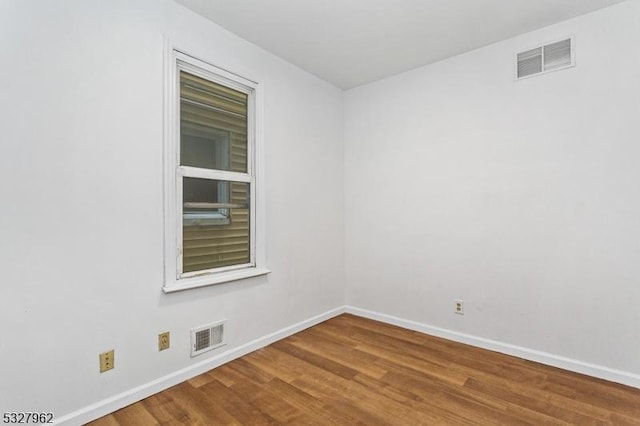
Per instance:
x=351, y=370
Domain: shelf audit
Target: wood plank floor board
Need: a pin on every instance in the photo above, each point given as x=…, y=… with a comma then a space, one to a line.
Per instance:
x=313, y=407
x=527, y=396
x=551, y=408
x=245, y=368
x=199, y=408
x=355, y=371
x=226, y=375
x=260, y=397
x=474, y=408
x=243, y=411
x=332, y=350
x=387, y=360
x=565, y=397
x=165, y=410
x=274, y=363
x=606, y=395
x=448, y=358
x=418, y=401
x=313, y=358
x=317, y=381
x=134, y=414
x=106, y=421
x=403, y=377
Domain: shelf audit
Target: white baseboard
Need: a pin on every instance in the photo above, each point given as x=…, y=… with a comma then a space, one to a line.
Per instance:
x=116, y=402
x=577, y=366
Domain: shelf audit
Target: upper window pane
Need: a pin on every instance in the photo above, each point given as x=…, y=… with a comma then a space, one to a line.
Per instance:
x=213, y=125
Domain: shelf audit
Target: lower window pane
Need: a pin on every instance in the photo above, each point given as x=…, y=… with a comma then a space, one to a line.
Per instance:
x=215, y=230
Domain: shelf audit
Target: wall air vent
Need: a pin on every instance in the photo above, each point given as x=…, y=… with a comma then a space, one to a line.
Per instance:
x=207, y=337
x=543, y=59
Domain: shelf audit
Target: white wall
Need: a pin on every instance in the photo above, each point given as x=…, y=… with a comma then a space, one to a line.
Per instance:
x=519, y=197
x=81, y=223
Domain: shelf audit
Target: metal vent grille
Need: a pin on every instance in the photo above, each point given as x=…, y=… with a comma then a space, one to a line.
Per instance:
x=207, y=337
x=203, y=339
x=217, y=335
x=530, y=62
x=557, y=55
x=550, y=57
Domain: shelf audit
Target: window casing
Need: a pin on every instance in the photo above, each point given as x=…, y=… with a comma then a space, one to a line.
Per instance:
x=213, y=202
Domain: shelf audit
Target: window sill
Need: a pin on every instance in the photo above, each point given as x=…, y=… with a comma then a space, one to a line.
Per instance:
x=213, y=279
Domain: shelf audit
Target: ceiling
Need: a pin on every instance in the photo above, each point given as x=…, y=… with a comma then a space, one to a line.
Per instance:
x=353, y=42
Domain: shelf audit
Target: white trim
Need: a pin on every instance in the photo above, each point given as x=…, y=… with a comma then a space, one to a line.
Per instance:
x=546, y=358
x=207, y=278
x=169, y=155
x=218, y=270
x=123, y=399
x=226, y=77
x=195, y=172
x=174, y=279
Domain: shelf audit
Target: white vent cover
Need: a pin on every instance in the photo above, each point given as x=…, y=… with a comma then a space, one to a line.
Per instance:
x=207, y=337
x=550, y=57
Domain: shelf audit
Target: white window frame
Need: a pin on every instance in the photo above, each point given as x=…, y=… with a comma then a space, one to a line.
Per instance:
x=177, y=60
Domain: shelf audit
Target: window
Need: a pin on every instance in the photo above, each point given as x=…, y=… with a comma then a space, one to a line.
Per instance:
x=213, y=223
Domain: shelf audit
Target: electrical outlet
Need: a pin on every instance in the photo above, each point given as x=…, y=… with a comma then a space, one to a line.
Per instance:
x=459, y=307
x=107, y=361
x=164, y=341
